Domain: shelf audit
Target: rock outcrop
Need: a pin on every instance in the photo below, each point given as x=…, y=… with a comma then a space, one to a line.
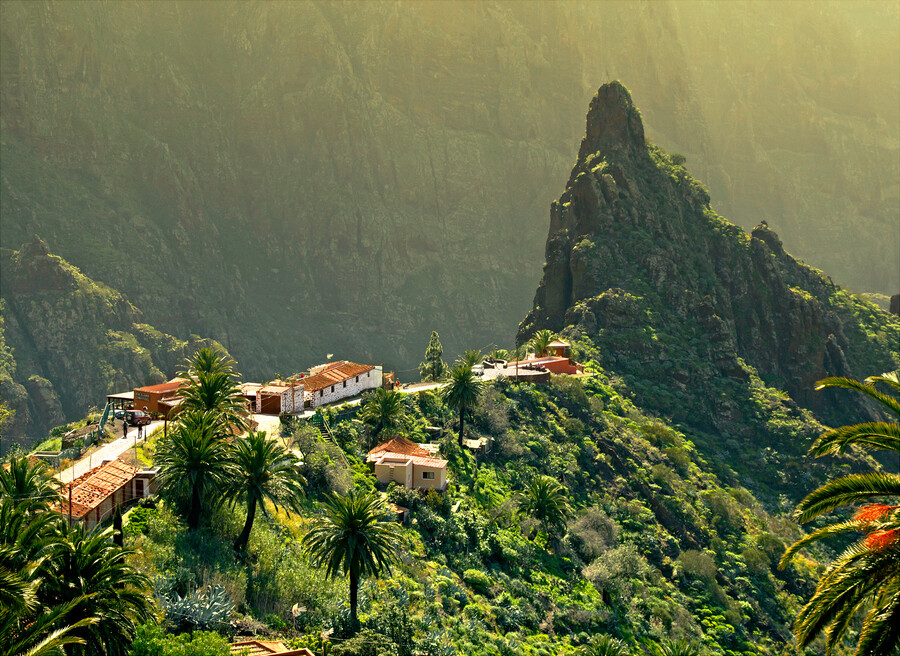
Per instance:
x=670, y=292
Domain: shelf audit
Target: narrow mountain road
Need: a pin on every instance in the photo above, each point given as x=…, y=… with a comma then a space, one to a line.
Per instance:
x=109, y=451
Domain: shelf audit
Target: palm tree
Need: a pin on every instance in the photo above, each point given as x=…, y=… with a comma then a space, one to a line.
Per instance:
x=540, y=342
x=499, y=354
x=355, y=538
x=384, y=410
x=28, y=543
x=89, y=570
x=193, y=460
x=461, y=393
x=866, y=575
x=211, y=384
x=676, y=648
x=26, y=481
x=546, y=500
x=605, y=645
x=470, y=358
x=264, y=471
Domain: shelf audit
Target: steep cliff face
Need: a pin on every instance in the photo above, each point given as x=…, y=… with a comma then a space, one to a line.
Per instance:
x=302, y=178
x=67, y=341
x=683, y=302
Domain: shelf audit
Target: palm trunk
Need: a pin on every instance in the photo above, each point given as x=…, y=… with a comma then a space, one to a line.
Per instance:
x=354, y=597
x=194, y=514
x=241, y=543
x=462, y=420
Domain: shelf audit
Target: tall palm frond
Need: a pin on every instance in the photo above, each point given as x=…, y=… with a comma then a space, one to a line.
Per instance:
x=546, y=500
x=865, y=578
x=27, y=481
x=847, y=489
x=541, y=342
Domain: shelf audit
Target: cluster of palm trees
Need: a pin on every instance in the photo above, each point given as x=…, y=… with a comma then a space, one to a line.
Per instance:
x=202, y=463
x=204, y=460
x=61, y=585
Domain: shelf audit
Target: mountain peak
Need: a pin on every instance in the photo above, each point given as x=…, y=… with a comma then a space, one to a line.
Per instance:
x=613, y=122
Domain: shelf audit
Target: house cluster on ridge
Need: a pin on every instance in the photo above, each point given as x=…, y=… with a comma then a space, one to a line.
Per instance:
x=537, y=369
x=325, y=383
x=409, y=464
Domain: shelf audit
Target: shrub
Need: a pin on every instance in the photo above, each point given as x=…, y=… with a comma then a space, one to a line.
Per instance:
x=151, y=640
x=591, y=533
x=477, y=580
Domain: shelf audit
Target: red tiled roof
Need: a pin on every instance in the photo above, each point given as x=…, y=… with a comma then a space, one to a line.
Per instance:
x=557, y=343
x=90, y=489
x=266, y=647
x=333, y=374
x=398, y=445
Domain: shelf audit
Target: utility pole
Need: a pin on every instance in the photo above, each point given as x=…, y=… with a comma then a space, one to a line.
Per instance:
x=70, y=504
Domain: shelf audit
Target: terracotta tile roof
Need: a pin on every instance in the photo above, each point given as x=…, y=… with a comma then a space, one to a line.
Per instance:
x=90, y=489
x=266, y=647
x=557, y=343
x=398, y=445
x=334, y=374
x=402, y=458
x=171, y=386
x=249, y=389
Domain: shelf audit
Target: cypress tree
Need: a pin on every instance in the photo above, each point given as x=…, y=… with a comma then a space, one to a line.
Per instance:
x=433, y=368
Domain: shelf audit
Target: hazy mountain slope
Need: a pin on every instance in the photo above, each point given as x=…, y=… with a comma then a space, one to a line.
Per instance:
x=302, y=178
x=700, y=319
x=67, y=341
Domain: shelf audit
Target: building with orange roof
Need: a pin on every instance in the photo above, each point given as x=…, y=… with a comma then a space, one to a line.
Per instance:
x=265, y=648
x=93, y=497
x=403, y=461
x=331, y=382
x=148, y=398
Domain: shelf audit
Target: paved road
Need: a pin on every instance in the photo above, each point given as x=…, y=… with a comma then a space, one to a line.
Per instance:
x=109, y=451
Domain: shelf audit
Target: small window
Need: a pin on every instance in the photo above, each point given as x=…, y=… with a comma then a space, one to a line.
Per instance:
x=428, y=476
x=357, y=379
x=321, y=392
x=345, y=383
x=332, y=388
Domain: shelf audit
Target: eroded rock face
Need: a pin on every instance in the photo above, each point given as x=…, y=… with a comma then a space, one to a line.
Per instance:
x=66, y=342
x=638, y=262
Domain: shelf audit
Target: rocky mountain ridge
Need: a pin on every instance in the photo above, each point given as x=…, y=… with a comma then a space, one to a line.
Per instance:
x=698, y=317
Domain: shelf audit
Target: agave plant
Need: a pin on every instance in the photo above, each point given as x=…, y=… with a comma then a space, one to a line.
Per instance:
x=199, y=610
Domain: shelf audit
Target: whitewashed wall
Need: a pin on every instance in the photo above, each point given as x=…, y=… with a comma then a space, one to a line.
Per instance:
x=369, y=380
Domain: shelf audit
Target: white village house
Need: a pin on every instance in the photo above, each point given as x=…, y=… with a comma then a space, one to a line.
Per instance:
x=334, y=381
x=327, y=383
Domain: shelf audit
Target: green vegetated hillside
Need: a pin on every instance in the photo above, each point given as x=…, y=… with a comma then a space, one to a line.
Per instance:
x=66, y=341
x=681, y=455
x=294, y=179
